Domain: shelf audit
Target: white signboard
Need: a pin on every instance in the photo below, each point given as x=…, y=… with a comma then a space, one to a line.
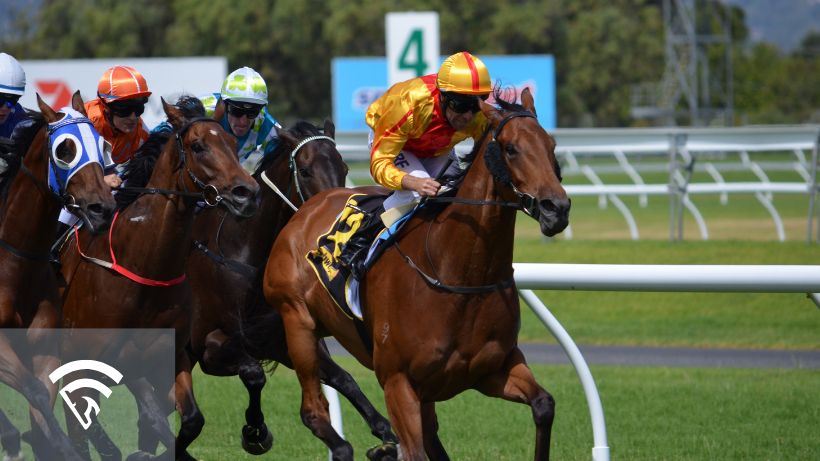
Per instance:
x=56, y=80
x=412, y=45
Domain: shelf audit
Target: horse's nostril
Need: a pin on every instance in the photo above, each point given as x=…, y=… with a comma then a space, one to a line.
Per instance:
x=241, y=193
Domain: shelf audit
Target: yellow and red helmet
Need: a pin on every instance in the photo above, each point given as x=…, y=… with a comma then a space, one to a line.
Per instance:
x=122, y=82
x=464, y=73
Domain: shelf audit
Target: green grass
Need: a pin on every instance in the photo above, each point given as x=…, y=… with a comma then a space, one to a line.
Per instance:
x=652, y=414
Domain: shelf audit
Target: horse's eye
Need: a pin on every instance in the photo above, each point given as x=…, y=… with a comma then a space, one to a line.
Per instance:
x=510, y=150
x=304, y=172
x=197, y=147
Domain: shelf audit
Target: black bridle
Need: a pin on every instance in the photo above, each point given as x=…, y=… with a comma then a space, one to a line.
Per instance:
x=208, y=193
x=526, y=203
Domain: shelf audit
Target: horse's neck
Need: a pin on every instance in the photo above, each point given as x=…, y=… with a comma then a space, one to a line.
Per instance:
x=484, y=233
x=163, y=223
x=29, y=216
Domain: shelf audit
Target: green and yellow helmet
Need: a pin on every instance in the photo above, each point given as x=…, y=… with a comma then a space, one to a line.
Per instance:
x=245, y=85
x=465, y=74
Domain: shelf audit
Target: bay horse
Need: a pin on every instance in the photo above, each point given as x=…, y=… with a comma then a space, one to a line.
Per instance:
x=233, y=328
x=145, y=287
x=440, y=305
x=56, y=162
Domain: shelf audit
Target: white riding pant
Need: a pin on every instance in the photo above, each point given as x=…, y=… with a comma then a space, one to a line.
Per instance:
x=419, y=167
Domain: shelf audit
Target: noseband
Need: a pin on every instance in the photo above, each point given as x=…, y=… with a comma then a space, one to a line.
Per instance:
x=292, y=168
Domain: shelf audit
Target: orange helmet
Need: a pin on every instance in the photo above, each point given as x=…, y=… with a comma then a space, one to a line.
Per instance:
x=122, y=82
x=464, y=73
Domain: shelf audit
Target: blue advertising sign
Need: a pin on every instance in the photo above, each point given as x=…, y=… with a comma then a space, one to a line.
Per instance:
x=357, y=82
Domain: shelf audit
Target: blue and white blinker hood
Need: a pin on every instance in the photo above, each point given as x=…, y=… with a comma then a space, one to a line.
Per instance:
x=90, y=148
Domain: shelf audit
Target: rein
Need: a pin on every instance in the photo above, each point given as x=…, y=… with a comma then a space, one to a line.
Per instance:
x=240, y=267
x=114, y=266
x=526, y=202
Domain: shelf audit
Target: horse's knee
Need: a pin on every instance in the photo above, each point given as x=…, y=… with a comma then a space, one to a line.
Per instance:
x=191, y=425
x=543, y=409
x=252, y=375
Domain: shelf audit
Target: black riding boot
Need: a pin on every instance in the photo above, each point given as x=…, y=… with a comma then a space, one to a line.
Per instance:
x=355, y=250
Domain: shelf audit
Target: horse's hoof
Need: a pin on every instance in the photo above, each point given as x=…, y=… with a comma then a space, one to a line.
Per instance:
x=256, y=440
x=387, y=451
x=17, y=457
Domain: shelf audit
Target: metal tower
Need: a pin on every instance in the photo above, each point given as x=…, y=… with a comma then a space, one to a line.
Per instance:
x=696, y=88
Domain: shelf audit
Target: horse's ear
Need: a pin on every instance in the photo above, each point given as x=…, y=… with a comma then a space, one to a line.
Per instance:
x=48, y=112
x=527, y=100
x=330, y=128
x=219, y=110
x=288, y=137
x=78, y=104
x=490, y=112
x=175, y=116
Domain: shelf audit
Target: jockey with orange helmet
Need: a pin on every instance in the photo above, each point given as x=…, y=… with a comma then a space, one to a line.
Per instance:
x=122, y=93
x=416, y=125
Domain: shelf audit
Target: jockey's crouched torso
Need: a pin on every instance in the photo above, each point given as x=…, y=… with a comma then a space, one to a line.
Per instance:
x=409, y=117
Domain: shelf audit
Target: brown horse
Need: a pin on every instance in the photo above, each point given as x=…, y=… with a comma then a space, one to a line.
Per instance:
x=440, y=304
x=151, y=239
x=233, y=329
x=28, y=285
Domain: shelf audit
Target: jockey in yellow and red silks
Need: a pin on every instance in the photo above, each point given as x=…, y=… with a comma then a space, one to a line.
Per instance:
x=416, y=124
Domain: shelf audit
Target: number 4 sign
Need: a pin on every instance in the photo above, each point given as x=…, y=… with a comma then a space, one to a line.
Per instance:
x=412, y=45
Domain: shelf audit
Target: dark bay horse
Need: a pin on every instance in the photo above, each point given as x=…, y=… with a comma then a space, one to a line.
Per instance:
x=151, y=239
x=440, y=304
x=233, y=329
x=57, y=145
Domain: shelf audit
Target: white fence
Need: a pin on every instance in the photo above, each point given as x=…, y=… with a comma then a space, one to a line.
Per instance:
x=626, y=277
x=678, y=152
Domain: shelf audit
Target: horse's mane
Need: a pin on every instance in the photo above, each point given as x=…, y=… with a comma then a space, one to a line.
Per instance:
x=138, y=170
x=15, y=149
x=300, y=130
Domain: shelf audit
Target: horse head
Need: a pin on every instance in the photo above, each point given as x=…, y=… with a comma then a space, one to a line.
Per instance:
x=314, y=163
x=208, y=155
x=75, y=153
x=521, y=158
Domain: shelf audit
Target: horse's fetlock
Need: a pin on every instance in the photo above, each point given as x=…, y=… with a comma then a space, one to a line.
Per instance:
x=192, y=424
x=343, y=452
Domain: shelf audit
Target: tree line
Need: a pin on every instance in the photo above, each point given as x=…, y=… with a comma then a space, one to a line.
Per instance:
x=601, y=49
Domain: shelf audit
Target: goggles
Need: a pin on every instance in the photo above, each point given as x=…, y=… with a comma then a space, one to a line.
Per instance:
x=9, y=100
x=127, y=107
x=251, y=111
x=461, y=103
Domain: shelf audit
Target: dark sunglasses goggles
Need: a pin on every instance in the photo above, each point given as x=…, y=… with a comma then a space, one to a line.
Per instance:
x=9, y=100
x=126, y=108
x=462, y=103
x=250, y=111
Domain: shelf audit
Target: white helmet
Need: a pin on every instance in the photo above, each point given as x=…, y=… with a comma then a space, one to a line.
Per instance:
x=12, y=76
x=245, y=85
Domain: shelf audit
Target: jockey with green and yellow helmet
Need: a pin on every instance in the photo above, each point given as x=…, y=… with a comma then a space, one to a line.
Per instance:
x=245, y=96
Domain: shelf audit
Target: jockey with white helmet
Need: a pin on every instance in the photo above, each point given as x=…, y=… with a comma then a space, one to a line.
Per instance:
x=12, y=87
x=245, y=96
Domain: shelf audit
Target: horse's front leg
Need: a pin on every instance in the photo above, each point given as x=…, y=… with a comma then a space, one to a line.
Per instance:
x=191, y=418
x=336, y=377
x=222, y=358
x=432, y=443
x=302, y=345
x=516, y=383
x=404, y=408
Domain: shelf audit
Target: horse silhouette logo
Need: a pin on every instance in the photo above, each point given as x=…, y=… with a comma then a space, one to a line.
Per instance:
x=91, y=404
